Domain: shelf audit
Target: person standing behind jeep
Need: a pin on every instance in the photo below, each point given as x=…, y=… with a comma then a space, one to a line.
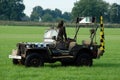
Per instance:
x=61, y=31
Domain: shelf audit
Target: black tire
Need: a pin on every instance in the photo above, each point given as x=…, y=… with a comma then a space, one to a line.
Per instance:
x=34, y=60
x=64, y=63
x=84, y=59
x=15, y=61
x=67, y=63
x=22, y=61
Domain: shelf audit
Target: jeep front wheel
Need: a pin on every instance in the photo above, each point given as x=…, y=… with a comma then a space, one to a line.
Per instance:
x=15, y=61
x=34, y=60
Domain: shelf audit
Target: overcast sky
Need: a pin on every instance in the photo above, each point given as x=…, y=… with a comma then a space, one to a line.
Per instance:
x=63, y=5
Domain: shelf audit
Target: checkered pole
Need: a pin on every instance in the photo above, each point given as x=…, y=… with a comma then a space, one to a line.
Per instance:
x=102, y=38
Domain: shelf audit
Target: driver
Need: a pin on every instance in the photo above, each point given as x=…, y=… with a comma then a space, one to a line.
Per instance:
x=62, y=37
x=61, y=32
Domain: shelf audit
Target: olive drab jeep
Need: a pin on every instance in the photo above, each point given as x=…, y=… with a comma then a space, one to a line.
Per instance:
x=67, y=52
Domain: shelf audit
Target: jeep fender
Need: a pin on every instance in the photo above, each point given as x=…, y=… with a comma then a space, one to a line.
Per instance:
x=79, y=49
x=44, y=52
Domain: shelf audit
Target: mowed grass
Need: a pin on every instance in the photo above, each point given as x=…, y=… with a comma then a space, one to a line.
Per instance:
x=105, y=68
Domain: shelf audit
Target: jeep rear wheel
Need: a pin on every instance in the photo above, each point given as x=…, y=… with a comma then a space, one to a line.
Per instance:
x=34, y=60
x=84, y=59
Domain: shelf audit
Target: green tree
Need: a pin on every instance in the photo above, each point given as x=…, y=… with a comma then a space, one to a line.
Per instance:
x=26, y=18
x=47, y=18
x=11, y=9
x=58, y=12
x=90, y=8
x=66, y=16
x=115, y=13
x=37, y=13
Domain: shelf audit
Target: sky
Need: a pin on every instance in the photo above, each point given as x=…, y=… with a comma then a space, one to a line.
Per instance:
x=63, y=5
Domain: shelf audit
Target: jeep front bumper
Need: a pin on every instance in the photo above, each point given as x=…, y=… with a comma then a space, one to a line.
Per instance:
x=14, y=55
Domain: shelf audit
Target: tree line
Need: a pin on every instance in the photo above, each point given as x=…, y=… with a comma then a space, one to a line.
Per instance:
x=95, y=8
x=48, y=15
x=13, y=10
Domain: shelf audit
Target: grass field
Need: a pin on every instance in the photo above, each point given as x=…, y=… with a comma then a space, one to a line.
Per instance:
x=105, y=68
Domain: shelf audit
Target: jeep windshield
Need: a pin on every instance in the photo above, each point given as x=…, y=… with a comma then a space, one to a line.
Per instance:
x=50, y=34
